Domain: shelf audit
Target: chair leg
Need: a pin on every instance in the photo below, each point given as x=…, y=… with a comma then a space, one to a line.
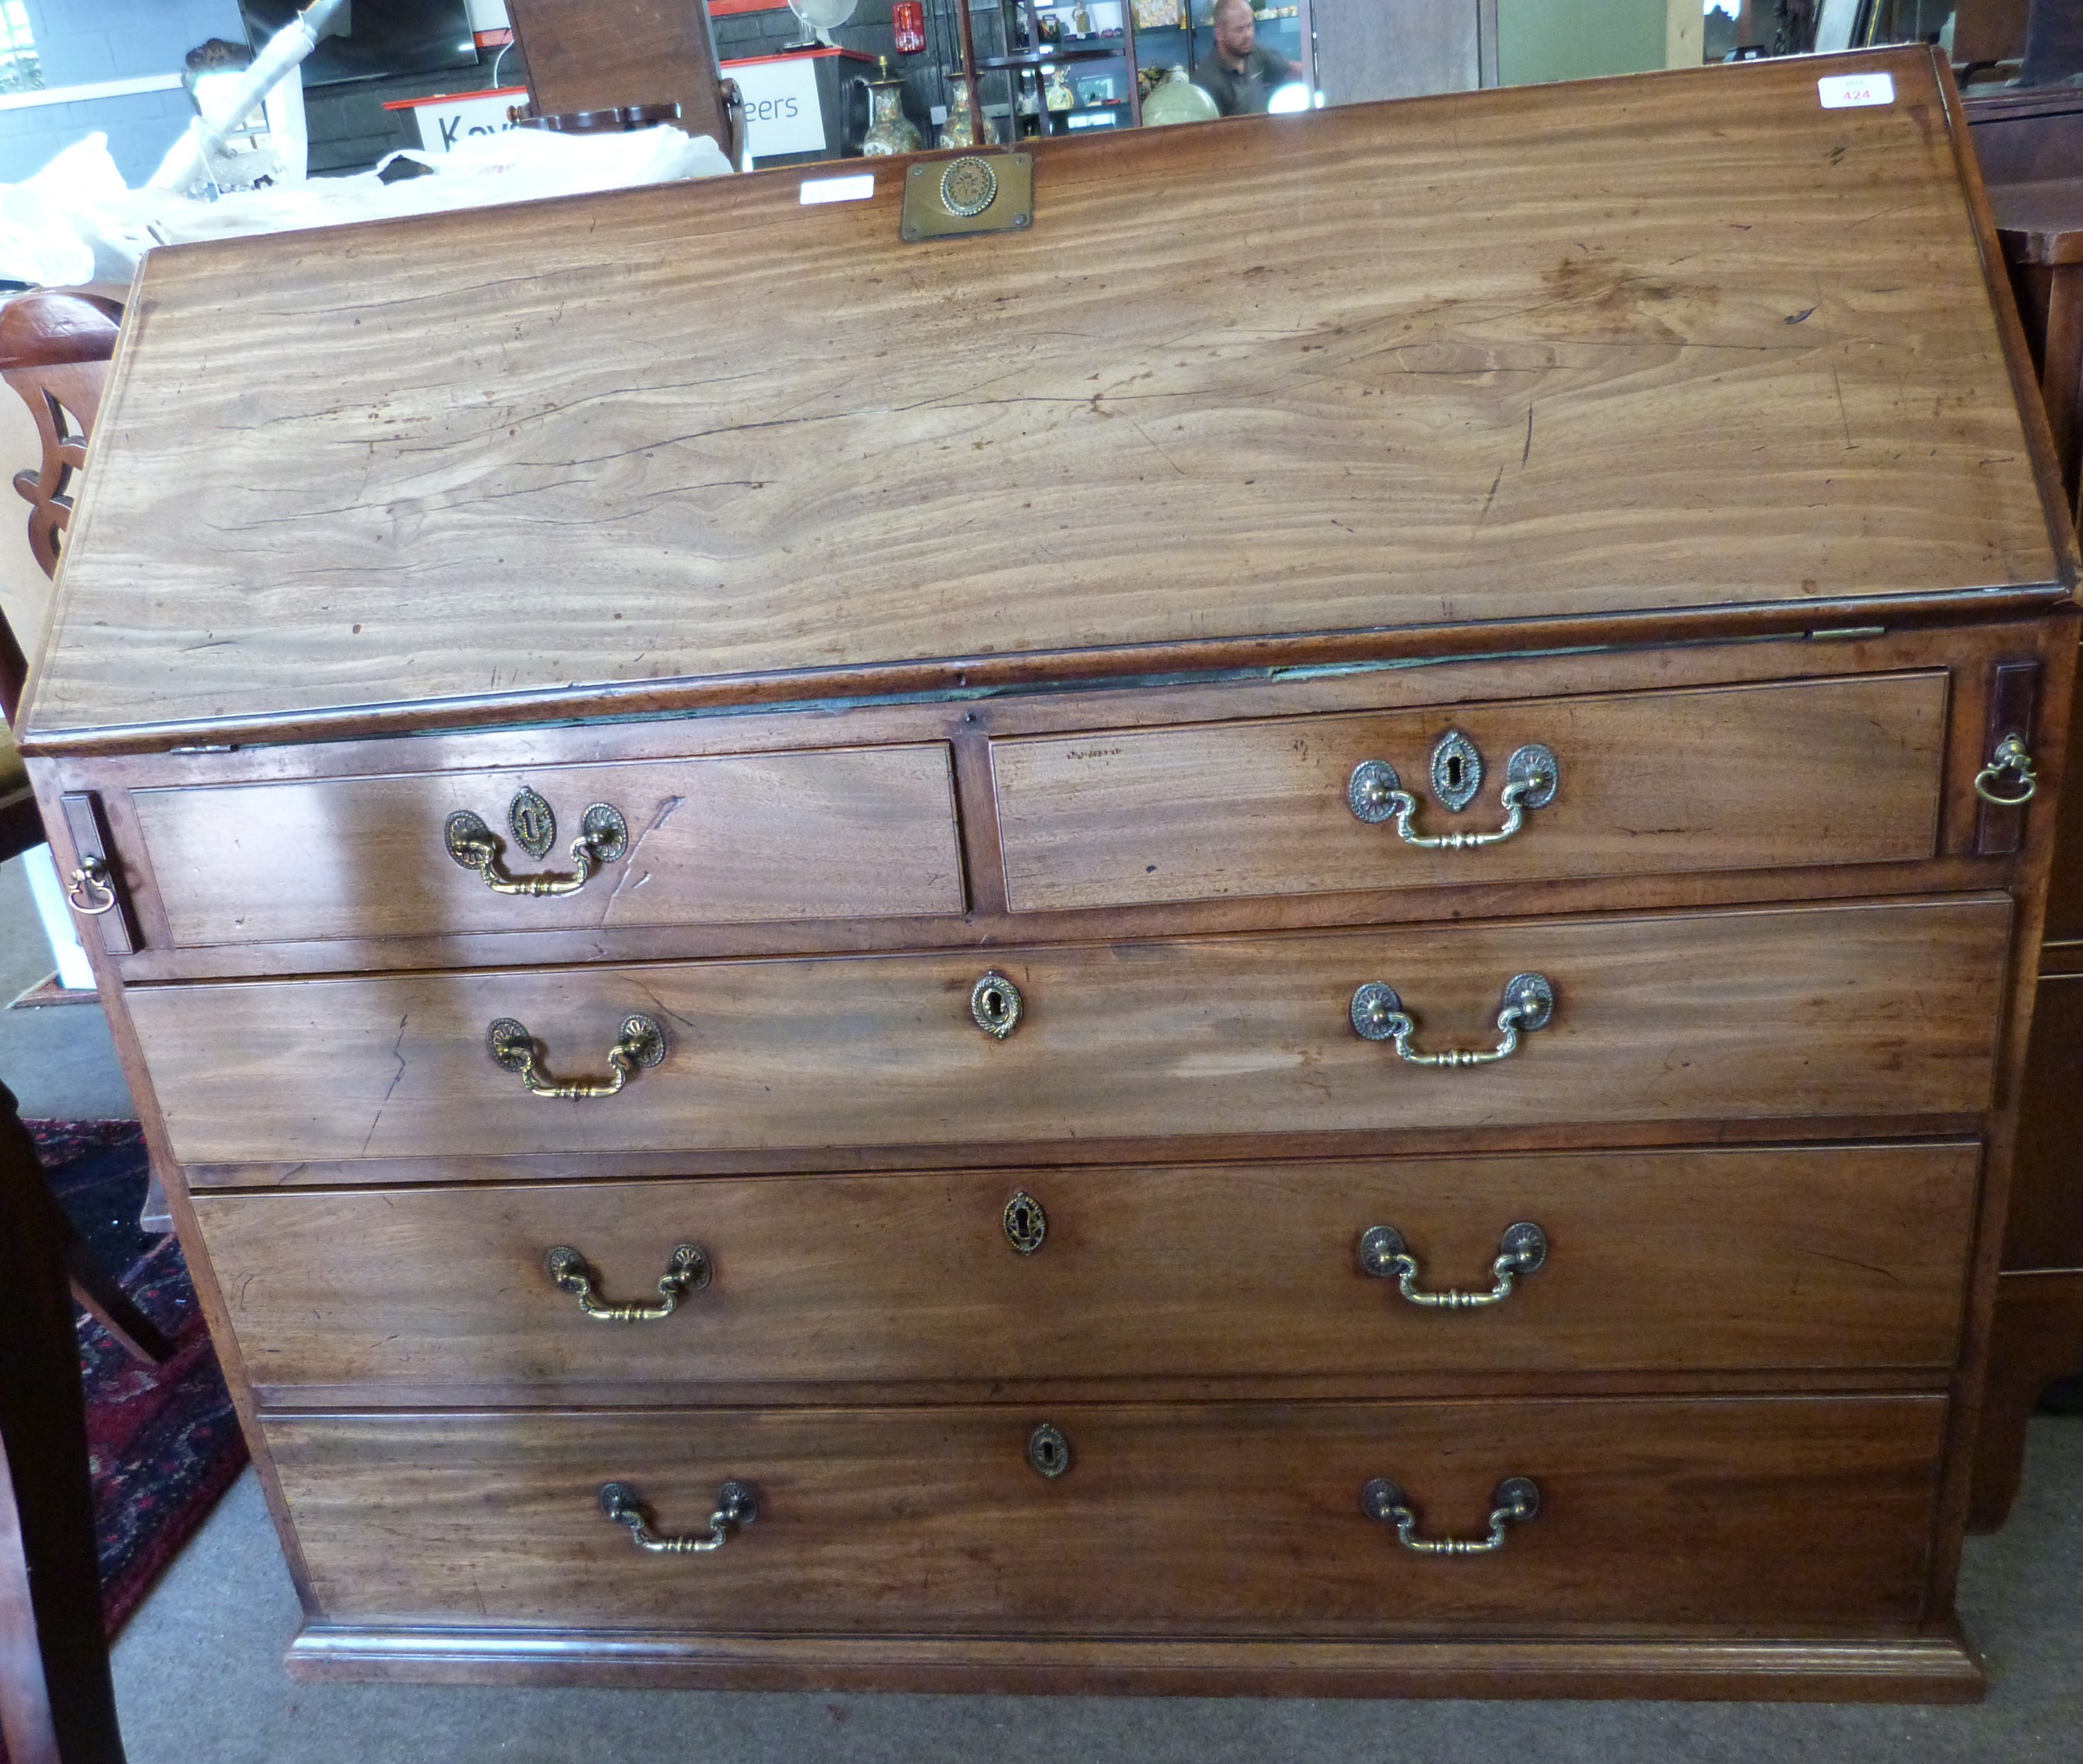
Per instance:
x=57, y=1700
x=102, y=1299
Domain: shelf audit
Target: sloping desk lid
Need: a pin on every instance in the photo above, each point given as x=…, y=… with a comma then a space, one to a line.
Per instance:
x=1526, y=364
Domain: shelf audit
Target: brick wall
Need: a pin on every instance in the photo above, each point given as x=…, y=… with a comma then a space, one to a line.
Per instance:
x=81, y=41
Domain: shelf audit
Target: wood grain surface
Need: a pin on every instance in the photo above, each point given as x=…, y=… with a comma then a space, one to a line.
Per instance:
x=1828, y=771
x=1809, y=1257
x=1815, y=1010
x=1679, y=341
x=737, y=838
x=1732, y=1514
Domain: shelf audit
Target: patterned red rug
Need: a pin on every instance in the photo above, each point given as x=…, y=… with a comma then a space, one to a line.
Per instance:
x=162, y=1441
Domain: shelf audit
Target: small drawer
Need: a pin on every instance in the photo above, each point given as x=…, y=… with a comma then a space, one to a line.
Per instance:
x=1749, y=1515
x=1844, y=770
x=1782, y=1013
x=724, y=838
x=1816, y=1258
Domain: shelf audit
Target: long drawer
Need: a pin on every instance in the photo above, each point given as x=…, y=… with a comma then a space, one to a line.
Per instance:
x=734, y=838
x=1799, y=772
x=1825, y=1258
x=1751, y=1013
x=1738, y=1513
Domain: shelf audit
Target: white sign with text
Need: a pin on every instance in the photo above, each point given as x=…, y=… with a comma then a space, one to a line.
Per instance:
x=782, y=114
x=444, y=121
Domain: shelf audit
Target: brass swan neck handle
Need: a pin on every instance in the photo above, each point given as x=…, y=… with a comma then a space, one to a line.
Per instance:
x=1521, y=1251
x=1517, y=1499
x=1374, y=793
x=1528, y=1003
x=642, y=1043
x=736, y=1506
x=688, y=1271
x=603, y=837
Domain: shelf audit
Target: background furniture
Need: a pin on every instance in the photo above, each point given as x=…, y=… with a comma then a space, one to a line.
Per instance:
x=877, y=1095
x=583, y=57
x=2030, y=144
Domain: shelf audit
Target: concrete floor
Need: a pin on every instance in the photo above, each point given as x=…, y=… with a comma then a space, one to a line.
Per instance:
x=56, y=1059
x=198, y=1677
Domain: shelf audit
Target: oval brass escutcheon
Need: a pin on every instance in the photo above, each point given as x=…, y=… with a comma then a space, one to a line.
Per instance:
x=1457, y=771
x=533, y=823
x=996, y=1004
x=1048, y=1451
x=1026, y=1224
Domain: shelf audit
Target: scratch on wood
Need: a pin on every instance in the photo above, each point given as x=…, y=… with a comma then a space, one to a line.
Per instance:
x=1527, y=452
x=1491, y=498
x=396, y=1053
x=632, y=876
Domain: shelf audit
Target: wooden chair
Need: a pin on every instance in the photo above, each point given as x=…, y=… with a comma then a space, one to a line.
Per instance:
x=54, y=350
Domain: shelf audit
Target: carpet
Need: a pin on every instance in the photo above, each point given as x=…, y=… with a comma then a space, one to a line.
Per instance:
x=164, y=1443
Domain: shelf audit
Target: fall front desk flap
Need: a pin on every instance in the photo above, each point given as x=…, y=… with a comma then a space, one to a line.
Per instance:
x=1691, y=341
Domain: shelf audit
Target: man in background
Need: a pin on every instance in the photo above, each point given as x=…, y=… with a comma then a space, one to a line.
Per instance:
x=1240, y=76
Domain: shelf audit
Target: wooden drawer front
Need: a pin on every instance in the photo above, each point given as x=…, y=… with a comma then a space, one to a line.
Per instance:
x=1733, y=1513
x=1817, y=772
x=1776, y=1013
x=1824, y=1258
x=738, y=838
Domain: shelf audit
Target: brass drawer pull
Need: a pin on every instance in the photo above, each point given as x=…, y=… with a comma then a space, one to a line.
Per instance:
x=603, y=837
x=1375, y=792
x=687, y=1272
x=90, y=879
x=1378, y=1014
x=1384, y=1255
x=1517, y=1499
x=643, y=1043
x=735, y=1505
x=2010, y=760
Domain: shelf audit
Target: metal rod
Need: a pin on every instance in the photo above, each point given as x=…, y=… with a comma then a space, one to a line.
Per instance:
x=970, y=74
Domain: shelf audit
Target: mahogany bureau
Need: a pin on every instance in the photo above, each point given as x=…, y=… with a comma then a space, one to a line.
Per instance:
x=1264, y=937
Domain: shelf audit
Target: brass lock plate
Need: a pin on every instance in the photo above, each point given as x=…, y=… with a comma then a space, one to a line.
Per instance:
x=977, y=193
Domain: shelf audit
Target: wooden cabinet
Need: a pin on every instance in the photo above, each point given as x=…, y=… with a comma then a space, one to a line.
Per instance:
x=1251, y=882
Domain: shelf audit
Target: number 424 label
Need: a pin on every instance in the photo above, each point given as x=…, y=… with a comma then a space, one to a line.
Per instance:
x=1847, y=92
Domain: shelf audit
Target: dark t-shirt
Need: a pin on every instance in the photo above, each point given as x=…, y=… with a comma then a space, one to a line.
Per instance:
x=1244, y=91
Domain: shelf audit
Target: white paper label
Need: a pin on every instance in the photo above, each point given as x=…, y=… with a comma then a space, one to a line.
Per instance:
x=1847, y=91
x=854, y=189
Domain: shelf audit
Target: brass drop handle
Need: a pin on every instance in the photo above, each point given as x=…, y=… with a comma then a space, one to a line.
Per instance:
x=687, y=1272
x=2009, y=761
x=1528, y=1003
x=736, y=1506
x=1375, y=793
x=1384, y=1254
x=1517, y=1499
x=90, y=879
x=642, y=1043
x=603, y=837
